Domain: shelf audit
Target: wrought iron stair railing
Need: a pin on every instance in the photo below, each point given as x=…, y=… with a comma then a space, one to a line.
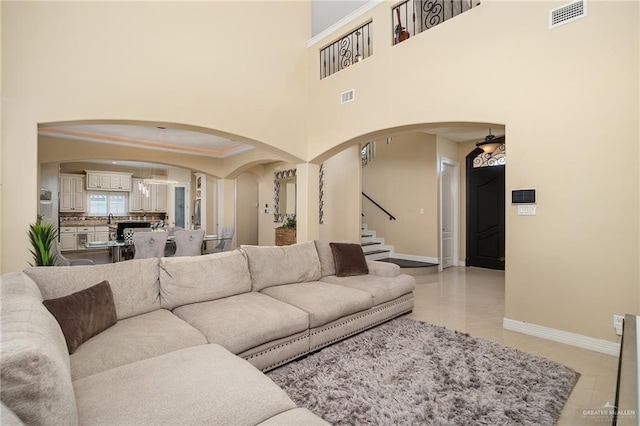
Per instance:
x=391, y=217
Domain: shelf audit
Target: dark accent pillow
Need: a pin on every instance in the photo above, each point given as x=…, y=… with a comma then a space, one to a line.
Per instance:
x=84, y=314
x=349, y=259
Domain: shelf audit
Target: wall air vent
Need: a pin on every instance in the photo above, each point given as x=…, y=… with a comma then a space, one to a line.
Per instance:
x=567, y=13
x=347, y=96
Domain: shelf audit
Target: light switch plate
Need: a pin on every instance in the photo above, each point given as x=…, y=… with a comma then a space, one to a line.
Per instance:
x=527, y=210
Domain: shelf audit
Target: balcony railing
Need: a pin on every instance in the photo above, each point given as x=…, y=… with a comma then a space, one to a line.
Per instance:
x=346, y=51
x=415, y=16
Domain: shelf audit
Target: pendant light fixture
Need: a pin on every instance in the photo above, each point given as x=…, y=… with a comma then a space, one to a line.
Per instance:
x=490, y=143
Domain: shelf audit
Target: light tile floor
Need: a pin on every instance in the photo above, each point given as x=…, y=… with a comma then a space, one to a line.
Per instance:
x=472, y=300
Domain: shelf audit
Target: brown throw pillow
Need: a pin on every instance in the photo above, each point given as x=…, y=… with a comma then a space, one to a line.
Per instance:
x=84, y=314
x=349, y=259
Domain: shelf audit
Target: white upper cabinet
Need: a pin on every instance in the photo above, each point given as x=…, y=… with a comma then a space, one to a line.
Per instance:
x=154, y=201
x=73, y=197
x=108, y=181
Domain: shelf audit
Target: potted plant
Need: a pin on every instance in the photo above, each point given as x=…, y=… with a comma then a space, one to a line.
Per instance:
x=290, y=223
x=286, y=234
x=42, y=237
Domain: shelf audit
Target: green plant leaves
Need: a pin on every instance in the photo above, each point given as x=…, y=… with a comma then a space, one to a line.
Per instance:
x=42, y=237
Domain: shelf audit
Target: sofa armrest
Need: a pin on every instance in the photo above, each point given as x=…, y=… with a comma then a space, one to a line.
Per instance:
x=383, y=269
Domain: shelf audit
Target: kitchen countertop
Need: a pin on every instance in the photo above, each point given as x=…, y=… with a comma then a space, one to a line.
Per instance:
x=100, y=222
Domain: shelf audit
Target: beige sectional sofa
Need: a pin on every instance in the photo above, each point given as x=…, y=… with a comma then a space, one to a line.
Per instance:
x=191, y=337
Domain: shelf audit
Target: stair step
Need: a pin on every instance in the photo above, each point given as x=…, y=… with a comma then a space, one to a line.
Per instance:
x=377, y=252
x=370, y=243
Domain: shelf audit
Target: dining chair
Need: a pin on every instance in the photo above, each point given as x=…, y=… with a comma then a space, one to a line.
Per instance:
x=127, y=234
x=149, y=244
x=189, y=243
x=225, y=244
x=61, y=260
x=170, y=249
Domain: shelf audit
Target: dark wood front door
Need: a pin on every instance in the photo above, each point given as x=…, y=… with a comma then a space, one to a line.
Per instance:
x=485, y=215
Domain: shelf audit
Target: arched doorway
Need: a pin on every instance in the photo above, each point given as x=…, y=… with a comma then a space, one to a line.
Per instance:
x=486, y=208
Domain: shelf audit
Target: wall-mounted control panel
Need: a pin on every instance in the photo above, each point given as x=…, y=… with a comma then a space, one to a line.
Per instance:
x=523, y=196
x=525, y=199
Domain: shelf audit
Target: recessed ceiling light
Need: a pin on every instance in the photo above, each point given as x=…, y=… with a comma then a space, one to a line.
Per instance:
x=114, y=162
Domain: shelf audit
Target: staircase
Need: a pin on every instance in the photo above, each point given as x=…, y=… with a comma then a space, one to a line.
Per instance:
x=373, y=246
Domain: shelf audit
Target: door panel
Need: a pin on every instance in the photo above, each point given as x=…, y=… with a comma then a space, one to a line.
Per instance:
x=485, y=215
x=448, y=213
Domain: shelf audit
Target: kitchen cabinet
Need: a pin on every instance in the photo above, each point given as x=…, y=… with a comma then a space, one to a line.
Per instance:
x=101, y=233
x=155, y=202
x=159, y=198
x=84, y=235
x=73, y=197
x=107, y=181
x=75, y=237
x=68, y=238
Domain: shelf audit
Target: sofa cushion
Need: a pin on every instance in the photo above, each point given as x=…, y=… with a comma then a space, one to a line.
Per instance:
x=194, y=279
x=84, y=314
x=382, y=289
x=244, y=321
x=195, y=386
x=271, y=266
x=295, y=417
x=34, y=361
x=323, y=302
x=349, y=259
x=134, y=283
x=133, y=339
x=325, y=255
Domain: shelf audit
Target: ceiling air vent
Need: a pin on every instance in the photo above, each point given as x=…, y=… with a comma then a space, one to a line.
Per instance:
x=567, y=13
x=347, y=96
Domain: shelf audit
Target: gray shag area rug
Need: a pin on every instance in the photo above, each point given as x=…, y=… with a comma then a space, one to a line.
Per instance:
x=407, y=372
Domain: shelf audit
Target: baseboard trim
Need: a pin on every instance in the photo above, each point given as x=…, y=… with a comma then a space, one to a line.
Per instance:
x=414, y=258
x=561, y=336
x=462, y=263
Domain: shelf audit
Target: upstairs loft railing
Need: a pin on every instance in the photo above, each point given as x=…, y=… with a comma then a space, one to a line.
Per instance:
x=415, y=16
x=346, y=51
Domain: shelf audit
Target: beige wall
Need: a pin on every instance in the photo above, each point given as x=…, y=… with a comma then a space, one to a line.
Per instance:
x=402, y=178
x=247, y=209
x=569, y=100
x=164, y=62
x=341, y=197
